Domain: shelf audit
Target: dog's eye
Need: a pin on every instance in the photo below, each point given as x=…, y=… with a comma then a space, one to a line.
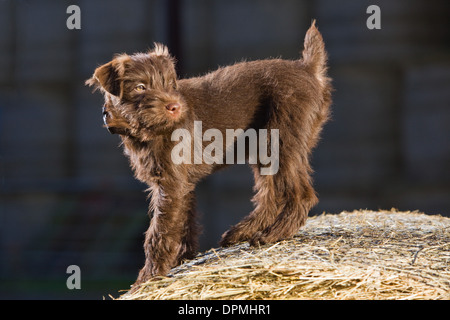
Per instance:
x=140, y=87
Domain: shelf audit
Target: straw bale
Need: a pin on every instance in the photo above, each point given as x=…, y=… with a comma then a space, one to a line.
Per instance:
x=352, y=255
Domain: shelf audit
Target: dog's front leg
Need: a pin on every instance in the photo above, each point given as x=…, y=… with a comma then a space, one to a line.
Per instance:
x=165, y=239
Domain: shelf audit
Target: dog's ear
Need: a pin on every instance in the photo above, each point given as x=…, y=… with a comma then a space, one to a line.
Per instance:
x=108, y=76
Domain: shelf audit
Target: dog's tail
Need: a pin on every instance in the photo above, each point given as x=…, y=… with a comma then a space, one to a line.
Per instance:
x=314, y=54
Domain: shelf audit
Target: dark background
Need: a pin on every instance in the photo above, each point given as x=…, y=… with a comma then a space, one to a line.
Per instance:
x=67, y=195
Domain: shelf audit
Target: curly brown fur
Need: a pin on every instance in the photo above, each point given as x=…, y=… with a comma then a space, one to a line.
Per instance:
x=145, y=103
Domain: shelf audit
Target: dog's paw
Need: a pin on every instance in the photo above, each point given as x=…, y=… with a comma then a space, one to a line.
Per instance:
x=227, y=239
x=232, y=237
x=264, y=237
x=258, y=239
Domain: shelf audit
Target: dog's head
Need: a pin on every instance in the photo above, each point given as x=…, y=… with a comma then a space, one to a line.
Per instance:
x=141, y=97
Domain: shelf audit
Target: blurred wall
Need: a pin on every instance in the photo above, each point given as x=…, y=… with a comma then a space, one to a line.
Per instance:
x=67, y=195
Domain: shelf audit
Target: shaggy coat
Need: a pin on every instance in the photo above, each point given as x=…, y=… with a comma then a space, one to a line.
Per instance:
x=145, y=103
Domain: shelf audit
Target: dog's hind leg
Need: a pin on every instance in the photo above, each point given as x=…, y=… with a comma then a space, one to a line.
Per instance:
x=295, y=197
x=293, y=192
x=261, y=217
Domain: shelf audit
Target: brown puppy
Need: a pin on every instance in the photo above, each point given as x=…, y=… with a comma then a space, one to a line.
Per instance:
x=146, y=104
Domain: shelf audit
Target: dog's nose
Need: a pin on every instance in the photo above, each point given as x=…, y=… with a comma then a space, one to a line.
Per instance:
x=173, y=108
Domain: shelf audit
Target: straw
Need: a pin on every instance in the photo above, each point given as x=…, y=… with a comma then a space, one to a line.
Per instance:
x=352, y=255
